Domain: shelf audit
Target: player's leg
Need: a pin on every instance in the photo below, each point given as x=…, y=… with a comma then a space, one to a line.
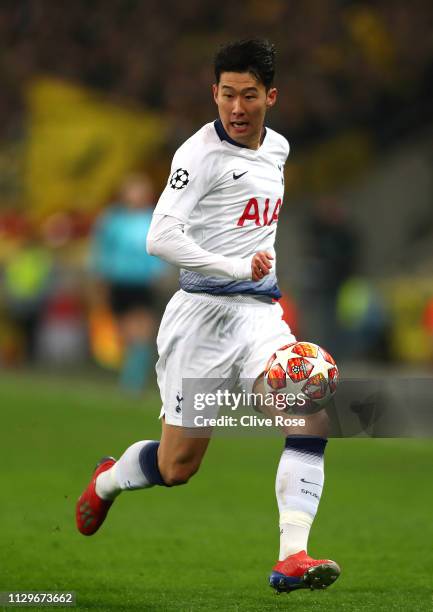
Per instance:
x=168, y=462
x=180, y=456
x=187, y=345
x=299, y=486
x=300, y=475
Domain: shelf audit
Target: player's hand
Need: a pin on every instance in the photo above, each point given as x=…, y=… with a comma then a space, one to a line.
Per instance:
x=261, y=265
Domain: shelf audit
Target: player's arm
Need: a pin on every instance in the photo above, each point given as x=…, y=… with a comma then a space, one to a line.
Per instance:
x=167, y=240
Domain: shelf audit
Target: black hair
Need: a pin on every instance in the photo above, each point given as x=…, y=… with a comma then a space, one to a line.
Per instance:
x=255, y=55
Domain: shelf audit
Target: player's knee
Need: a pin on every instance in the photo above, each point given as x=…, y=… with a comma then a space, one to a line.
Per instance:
x=179, y=473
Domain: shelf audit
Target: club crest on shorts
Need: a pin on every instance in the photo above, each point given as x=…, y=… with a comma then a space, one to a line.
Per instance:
x=179, y=399
x=179, y=179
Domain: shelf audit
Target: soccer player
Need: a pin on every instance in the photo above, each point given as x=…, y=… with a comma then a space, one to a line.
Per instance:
x=217, y=220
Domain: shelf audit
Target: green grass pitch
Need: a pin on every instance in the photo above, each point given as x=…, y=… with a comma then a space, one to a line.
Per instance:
x=211, y=544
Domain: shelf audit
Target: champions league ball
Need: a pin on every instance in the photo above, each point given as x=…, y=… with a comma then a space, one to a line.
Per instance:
x=305, y=374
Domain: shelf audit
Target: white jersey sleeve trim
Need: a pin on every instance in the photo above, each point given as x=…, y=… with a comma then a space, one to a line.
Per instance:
x=167, y=240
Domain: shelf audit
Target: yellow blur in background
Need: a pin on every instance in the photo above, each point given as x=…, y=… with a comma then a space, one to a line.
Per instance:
x=80, y=147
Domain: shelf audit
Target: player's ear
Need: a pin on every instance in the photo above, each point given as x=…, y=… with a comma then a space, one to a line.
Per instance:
x=271, y=96
x=215, y=92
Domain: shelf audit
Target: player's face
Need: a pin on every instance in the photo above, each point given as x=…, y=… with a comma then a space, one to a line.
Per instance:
x=242, y=103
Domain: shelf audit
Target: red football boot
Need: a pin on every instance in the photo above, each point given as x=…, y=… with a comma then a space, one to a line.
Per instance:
x=300, y=571
x=91, y=510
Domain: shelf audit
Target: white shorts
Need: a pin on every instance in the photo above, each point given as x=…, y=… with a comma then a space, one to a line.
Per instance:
x=203, y=336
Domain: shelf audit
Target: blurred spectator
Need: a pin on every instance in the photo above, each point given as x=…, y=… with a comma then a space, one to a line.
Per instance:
x=27, y=279
x=331, y=260
x=130, y=275
x=363, y=321
x=62, y=337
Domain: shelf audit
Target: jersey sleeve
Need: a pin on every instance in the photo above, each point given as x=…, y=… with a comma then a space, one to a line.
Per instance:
x=192, y=175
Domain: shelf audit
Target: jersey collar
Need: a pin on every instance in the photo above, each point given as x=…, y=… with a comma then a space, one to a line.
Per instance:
x=219, y=128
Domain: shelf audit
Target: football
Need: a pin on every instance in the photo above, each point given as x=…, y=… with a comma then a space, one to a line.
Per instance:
x=304, y=372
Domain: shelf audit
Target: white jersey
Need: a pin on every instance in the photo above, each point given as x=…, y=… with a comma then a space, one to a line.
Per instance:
x=229, y=198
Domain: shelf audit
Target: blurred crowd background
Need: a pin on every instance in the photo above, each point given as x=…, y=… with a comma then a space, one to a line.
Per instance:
x=94, y=99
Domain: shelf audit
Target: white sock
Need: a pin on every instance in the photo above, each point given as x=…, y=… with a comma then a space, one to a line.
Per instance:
x=126, y=474
x=299, y=484
x=294, y=538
